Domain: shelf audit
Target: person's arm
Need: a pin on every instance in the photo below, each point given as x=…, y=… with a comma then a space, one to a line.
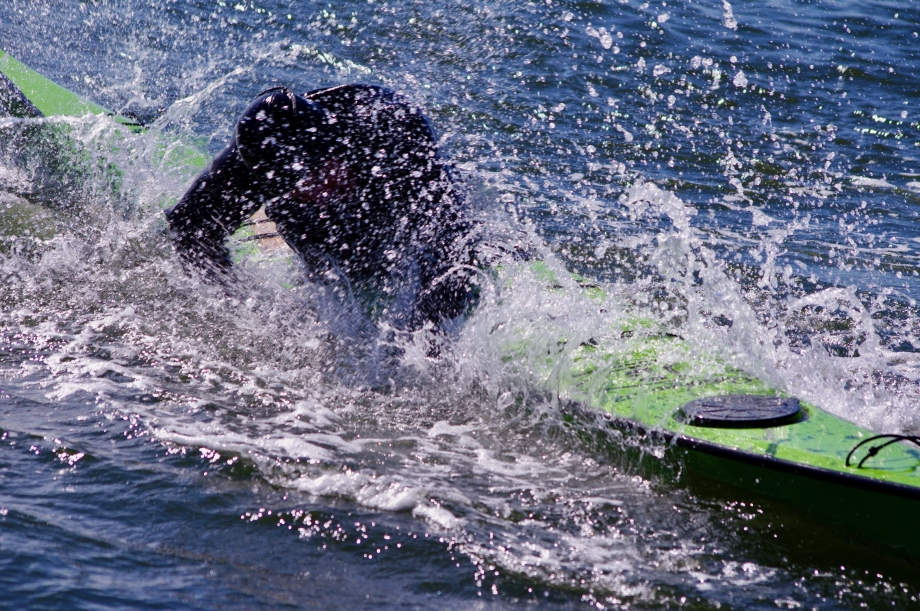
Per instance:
x=218, y=201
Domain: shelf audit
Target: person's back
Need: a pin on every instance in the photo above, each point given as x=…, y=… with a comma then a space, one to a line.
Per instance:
x=351, y=177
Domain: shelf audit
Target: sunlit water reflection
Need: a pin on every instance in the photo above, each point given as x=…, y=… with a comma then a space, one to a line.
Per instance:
x=745, y=174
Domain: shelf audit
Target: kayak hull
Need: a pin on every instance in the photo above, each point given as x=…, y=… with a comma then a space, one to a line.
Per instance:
x=879, y=513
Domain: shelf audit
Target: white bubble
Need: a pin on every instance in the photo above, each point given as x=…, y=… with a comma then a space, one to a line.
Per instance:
x=606, y=39
x=728, y=17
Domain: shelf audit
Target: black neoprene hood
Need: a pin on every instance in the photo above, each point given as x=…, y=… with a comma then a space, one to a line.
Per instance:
x=280, y=128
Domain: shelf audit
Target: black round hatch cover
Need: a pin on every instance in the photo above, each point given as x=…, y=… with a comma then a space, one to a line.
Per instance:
x=740, y=411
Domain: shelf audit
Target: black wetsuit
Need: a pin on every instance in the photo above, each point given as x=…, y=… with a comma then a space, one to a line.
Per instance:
x=356, y=189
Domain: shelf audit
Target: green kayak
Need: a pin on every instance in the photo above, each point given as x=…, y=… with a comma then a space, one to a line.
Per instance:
x=721, y=422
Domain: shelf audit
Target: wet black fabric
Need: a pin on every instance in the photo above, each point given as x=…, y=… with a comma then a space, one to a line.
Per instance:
x=366, y=200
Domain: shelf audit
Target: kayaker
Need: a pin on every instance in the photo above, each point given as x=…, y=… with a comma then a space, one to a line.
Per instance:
x=351, y=177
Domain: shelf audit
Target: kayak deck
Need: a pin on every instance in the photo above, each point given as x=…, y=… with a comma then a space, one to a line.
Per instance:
x=639, y=374
x=635, y=386
x=49, y=98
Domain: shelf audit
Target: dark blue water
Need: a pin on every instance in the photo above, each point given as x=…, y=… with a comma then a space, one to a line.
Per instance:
x=747, y=173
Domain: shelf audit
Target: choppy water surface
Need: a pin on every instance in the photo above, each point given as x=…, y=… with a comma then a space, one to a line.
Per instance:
x=746, y=173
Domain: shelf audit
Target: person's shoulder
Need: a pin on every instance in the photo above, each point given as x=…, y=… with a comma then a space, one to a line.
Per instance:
x=356, y=106
x=351, y=95
x=360, y=100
